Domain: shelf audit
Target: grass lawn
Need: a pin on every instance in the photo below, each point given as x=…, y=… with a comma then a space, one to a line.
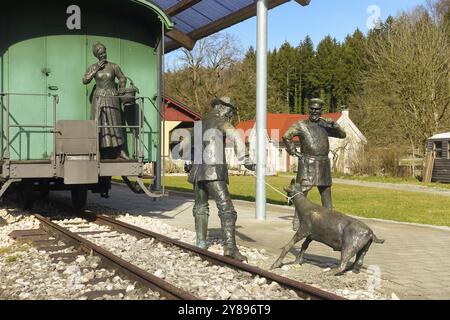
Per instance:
x=394, y=180
x=359, y=201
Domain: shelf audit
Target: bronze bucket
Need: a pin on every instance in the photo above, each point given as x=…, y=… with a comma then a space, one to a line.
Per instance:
x=128, y=95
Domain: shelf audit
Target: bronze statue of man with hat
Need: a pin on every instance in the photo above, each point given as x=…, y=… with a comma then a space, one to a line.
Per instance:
x=314, y=167
x=209, y=175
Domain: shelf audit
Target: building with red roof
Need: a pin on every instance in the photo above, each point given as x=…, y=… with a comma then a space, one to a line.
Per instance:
x=177, y=115
x=343, y=152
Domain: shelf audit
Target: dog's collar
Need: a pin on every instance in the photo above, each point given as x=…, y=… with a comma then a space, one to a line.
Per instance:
x=292, y=198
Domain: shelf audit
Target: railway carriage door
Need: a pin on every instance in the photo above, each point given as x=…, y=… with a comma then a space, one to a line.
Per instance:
x=25, y=61
x=65, y=67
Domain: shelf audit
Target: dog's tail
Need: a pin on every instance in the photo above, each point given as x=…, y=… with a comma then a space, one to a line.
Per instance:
x=376, y=240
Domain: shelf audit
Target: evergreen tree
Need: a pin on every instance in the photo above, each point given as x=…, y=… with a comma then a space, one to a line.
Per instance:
x=328, y=70
x=355, y=63
x=305, y=68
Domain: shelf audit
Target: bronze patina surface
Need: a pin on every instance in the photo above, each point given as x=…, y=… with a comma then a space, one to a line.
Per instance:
x=106, y=105
x=209, y=175
x=314, y=167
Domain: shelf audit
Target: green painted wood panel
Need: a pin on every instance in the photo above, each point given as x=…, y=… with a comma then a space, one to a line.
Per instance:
x=140, y=64
x=67, y=58
x=26, y=59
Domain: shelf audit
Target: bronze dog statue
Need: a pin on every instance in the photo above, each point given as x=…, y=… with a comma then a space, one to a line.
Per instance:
x=336, y=230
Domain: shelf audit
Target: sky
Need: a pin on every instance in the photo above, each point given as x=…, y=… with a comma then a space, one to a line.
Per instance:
x=291, y=22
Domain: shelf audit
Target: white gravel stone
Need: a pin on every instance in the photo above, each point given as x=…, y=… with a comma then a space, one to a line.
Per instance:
x=43, y=278
x=29, y=274
x=394, y=296
x=159, y=273
x=80, y=260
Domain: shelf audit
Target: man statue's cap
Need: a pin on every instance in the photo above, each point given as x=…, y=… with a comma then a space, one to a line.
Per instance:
x=225, y=101
x=316, y=102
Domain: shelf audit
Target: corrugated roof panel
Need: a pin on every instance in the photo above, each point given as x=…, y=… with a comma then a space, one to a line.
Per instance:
x=206, y=12
x=193, y=18
x=184, y=26
x=212, y=9
x=166, y=3
x=236, y=4
x=200, y=19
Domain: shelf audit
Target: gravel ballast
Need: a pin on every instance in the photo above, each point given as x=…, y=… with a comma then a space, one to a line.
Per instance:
x=27, y=273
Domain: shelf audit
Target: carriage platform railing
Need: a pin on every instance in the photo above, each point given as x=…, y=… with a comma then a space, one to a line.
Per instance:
x=7, y=155
x=139, y=149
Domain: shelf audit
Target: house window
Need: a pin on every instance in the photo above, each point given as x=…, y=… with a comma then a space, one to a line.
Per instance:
x=438, y=149
x=448, y=149
x=280, y=152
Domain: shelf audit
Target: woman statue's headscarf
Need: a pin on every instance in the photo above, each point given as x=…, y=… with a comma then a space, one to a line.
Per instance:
x=96, y=48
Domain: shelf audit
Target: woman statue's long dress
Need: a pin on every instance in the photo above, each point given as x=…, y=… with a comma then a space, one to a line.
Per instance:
x=106, y=103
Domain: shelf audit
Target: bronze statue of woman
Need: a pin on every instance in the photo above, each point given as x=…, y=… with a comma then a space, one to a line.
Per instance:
x=106, y=103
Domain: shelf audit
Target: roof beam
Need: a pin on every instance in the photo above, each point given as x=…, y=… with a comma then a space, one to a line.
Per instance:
x=303, y=2
x=181, y=6
x=227, y=21
x=181, y=39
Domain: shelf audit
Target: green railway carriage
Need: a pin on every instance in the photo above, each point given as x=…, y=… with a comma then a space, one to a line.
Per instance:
x=48, y=140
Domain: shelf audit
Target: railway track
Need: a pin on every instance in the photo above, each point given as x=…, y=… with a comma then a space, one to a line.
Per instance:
x=87, y=236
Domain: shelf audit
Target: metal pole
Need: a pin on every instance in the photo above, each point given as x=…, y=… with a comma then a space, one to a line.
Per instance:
x=163, y=112
x=55, y=101
x=141, y=131
x=158, y=183
x=8, y=153
x=261, y=109
x=1, y=126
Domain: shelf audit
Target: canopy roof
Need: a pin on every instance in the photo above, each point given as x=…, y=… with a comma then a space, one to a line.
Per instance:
x=196, y=19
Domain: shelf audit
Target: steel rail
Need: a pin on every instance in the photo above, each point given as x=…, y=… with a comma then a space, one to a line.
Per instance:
x=144, y=278
x=302, y=289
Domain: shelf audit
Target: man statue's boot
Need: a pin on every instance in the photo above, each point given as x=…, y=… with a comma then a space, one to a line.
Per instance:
x=228, y=222
x=201, y=230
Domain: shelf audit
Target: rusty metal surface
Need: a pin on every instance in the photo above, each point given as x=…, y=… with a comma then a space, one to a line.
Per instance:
x=53, y=248
x=91, y=233
x=303, y=290
x=46, y=242
x=66, y=256
x=144, y=278
x=29, y=235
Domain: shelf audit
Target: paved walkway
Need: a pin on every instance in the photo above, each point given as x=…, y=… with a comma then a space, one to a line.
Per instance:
x=415, y=257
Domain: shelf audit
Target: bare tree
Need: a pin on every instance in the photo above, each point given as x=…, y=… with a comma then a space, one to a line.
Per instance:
x=438, y=8
x=204, y=72
x=408, y=87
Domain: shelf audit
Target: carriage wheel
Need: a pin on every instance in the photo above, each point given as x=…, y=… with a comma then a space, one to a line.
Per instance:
x=79, y=197
x=26, y=195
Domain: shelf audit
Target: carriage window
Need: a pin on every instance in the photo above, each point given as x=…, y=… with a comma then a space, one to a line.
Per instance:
x=438, y=149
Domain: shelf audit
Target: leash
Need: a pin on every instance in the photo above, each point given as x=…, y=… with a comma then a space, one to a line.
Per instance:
x=289, y=199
